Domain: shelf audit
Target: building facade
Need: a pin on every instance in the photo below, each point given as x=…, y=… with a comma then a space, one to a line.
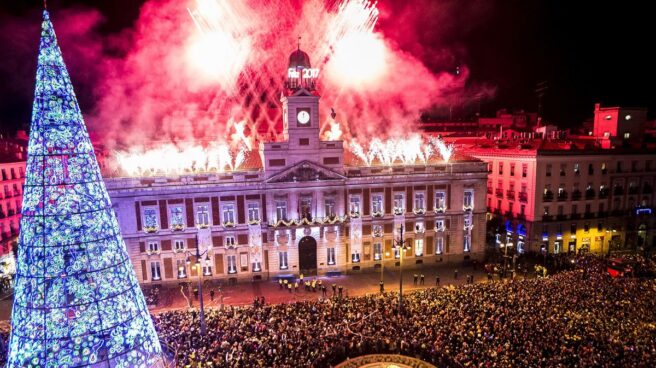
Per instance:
x=300, y=206
x=574, y=194
x=12, y=176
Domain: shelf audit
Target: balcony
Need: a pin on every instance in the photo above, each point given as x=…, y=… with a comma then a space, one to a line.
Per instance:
x=523, y=197
x=589, y=194
x=489, y=190
x=562, y=196
x=647, y=189
x=575, y=216
x=588, y=215
x=547, y=218
x=603, y=193
x=509, y=214
x=618, y=190
x=510, y=194
x=561, y=217
x=499, y=192
x=547, y=196
x=602, y=214
x=576, y=195
x=633, y=190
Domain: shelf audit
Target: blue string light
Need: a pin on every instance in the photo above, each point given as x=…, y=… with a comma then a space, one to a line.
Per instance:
x=77, y=300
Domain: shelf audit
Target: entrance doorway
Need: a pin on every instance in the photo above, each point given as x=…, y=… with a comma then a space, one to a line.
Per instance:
x=307, y=256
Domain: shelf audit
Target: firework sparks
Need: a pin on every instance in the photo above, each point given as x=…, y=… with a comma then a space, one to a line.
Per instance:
x=410, y=150
x=222, y=47
x=357, y=54
x=170, y=159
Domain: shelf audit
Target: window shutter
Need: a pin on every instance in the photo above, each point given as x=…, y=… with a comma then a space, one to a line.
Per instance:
x=166, y=244
x=189, y=206
x=137, y=212
x=142, y=247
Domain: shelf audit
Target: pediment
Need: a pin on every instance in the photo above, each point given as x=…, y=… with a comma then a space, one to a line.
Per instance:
x=305, y=171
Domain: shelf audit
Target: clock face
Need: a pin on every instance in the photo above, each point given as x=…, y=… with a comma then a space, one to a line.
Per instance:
x=303, y=117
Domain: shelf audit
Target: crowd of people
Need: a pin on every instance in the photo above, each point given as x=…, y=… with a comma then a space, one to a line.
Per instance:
x=579, y=317
x=4, y=340
x=575, y=318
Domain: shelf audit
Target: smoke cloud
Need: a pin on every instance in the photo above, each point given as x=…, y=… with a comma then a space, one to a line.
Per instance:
x=155, y=83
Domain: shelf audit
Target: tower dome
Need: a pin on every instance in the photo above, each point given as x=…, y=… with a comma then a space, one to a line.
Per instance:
x=299, y=72
x=299, y=59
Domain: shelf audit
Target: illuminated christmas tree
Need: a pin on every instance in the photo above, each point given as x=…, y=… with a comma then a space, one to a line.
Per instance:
x=77, y=300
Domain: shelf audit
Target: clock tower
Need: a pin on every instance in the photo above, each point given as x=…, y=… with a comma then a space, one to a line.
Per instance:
x=300, y=103
x=301, y=125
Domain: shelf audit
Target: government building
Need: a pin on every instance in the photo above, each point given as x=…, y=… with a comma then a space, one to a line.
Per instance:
x=301, y=205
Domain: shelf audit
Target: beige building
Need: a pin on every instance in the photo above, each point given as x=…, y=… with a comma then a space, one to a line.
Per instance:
x=301, y=206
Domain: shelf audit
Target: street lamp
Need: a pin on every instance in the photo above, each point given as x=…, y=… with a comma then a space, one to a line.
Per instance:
x=399, y=244
x=382, y=268
x=199, y=270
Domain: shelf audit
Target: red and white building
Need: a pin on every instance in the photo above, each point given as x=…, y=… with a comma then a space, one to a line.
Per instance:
x=574, y=193
x=12, y=176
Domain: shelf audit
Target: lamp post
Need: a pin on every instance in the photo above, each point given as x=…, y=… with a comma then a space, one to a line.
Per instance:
x=400, y=246
x=382, y=269
x=199, y=270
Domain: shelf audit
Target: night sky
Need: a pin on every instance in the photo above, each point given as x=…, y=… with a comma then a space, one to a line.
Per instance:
x=586, y=53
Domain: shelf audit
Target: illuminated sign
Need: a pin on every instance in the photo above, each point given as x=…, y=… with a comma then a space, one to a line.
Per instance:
x=308, y=73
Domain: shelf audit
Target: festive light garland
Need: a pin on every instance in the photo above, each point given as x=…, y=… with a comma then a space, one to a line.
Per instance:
x=77, y=300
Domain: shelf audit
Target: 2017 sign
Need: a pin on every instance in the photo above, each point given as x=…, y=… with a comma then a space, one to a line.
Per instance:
x=308, y=73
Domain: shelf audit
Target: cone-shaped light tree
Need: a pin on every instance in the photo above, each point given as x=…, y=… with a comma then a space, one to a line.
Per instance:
x=77, y=301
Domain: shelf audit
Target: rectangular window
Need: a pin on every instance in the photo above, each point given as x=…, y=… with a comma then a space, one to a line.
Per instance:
x=177, y=217
x=524, y=170
x=256, y=266
x=232, y=263
x=182, y=268
x=306, y=208
x=155, y=271
x=153, y=246
x=178, y=245
x=151, y=222
x=420, y=201
x=419, y=247
x=202, y=215
x=229, y=241
x=330, y=256
x=440, y=201
x=354, y=207
x=276, y=163
x=563, y=169
x=548, y=172
x=253, y=212
x=329, y=207
x=207, y=267
x=378, y=251
x=500, y=168
x=304, y=142
x=467, y=242
x=577, y=170
x=282, y=260
x=439, y=245
x=331, y=160
x=399, y=203
x=281, y=210
x=377, y=204
x=603, y=168
x=522, y=209
x=468, y=200
x=512, y=169
x=229, y=214
x=590, y=169
x=439, y=225
x=355, y=257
